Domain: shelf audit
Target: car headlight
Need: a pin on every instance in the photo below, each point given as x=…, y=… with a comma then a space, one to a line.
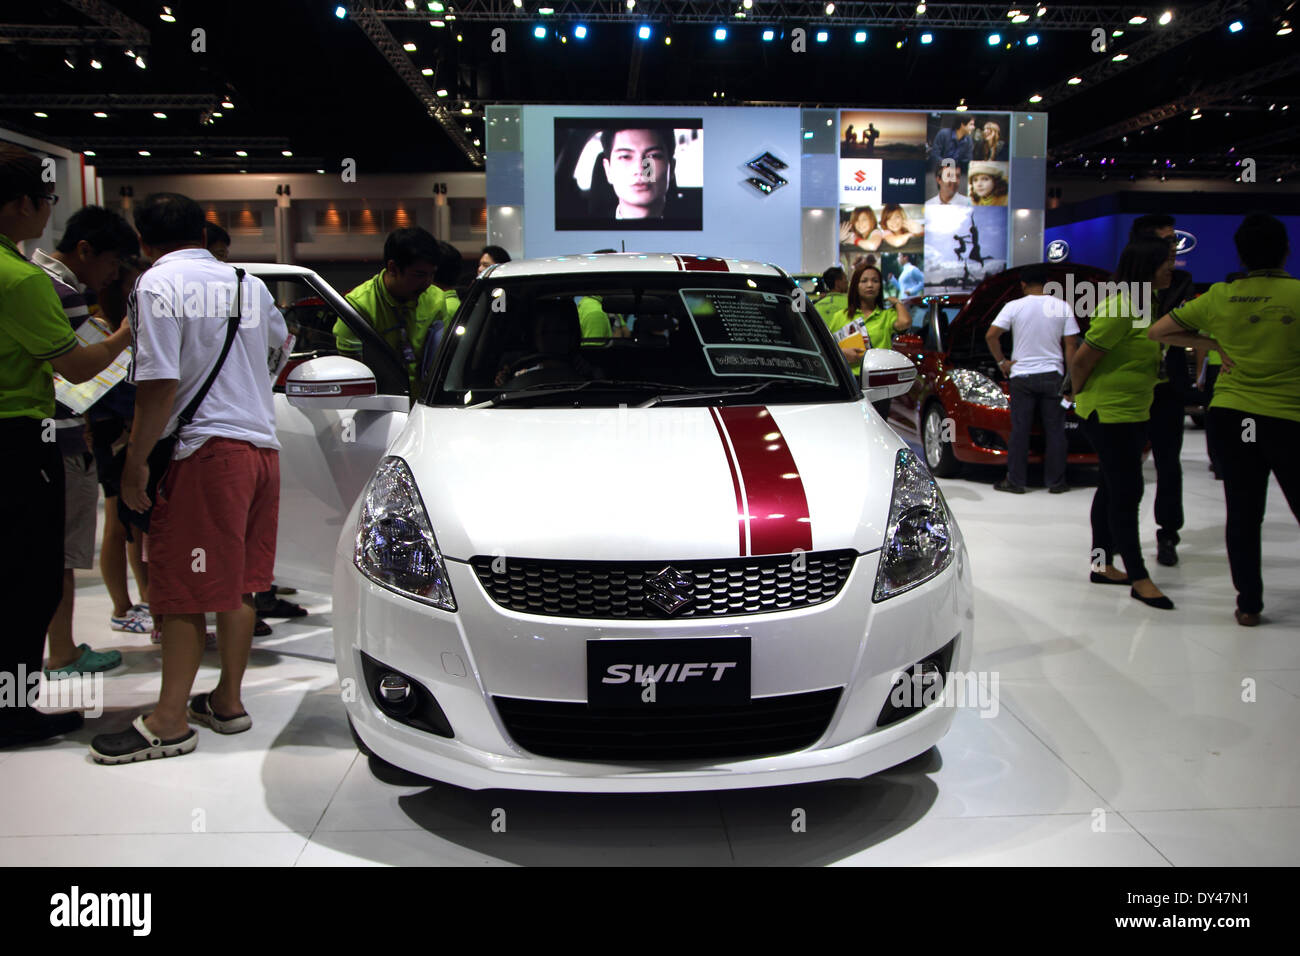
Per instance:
x=978, y=388
x=395, y=544
x=918, y=544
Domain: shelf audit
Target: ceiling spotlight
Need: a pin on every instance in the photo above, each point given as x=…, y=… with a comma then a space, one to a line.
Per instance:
x=1116, y=33
x=1196, y=115
x=927, y=38
x=1138, y=20
x=100, y=115
x=539, y=32
x=39, y=115
x=159, y=115
x=342, y=12
x=1036, y=98
x=518, y=4
x=720, y=34
x=70, y=59
x=1012, y=13
x=860, y=36
x=546, y=11
x=830, y=9
x=1020, y=18
x=167, y=16
x=198, y=152
x=748, y=4
x=441, y=92
x=644, y=31
x=139, y=61
x=1284, y=28
x=1120, y=57
x=240, y=152
x=822, y=36
x=1166, y=18
x=1236, y=26
x=218, y=114
x=769, y=36
x=477, y=143
x=580, y=32
x=1040, y=11
x=145, y=152
x=920, y=8
x=427, y=71
x=437, y=24
x=1074, y=80
x=466, y=111
x=320, y=171
x=1031, y=40
x=631, y=4
x=91, y=152
x=995, y=39
x=408, y=46
x=668, y=41
x=286, y=152
x=961, y=107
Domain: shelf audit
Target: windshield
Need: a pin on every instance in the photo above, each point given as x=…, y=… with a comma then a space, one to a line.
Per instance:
x=609, y=339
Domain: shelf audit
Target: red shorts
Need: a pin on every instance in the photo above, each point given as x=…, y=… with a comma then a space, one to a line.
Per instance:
x=212, y=532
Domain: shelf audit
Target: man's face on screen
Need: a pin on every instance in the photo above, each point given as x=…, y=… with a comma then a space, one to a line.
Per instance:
x=638, y=170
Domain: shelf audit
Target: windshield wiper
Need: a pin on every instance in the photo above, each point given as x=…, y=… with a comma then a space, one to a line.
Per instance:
x=544, y=389
x=726, y=392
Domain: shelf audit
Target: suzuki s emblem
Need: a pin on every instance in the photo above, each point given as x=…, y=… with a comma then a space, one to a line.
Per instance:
x=859, y=175
x=670, y=590
x=1186, y=242
x=1058, y=250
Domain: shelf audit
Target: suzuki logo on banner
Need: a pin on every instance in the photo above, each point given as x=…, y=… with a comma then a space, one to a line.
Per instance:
x=1186, y=242
x=1058, y=250
x=860, y=175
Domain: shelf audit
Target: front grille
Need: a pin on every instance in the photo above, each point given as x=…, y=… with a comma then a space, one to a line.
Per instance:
x=764, y=727
x=616, y=589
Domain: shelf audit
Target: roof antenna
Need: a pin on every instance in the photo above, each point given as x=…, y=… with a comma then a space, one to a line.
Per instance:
x=622, y=245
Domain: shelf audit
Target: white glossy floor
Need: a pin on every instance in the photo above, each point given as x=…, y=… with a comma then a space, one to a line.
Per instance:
x=1122, y=739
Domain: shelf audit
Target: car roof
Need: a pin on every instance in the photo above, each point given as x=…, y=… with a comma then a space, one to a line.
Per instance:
x=628, y=262
x=274, y=269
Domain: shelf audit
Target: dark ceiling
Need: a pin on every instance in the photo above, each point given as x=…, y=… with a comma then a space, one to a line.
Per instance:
x=301, y=79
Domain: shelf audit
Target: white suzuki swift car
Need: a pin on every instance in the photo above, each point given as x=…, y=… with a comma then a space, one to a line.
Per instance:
x=684, y=555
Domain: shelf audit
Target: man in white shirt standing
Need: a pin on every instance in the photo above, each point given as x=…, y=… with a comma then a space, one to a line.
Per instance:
x=1044, y=336
x=213, y=527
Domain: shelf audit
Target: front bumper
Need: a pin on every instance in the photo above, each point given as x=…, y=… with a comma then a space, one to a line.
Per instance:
x=484, y=651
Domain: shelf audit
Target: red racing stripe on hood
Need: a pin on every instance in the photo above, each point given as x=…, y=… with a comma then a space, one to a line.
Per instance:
x=775, y=500
x=735, y=479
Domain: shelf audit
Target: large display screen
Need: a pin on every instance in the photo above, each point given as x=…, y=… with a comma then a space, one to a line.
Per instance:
x=629, y=173
x=924, y=196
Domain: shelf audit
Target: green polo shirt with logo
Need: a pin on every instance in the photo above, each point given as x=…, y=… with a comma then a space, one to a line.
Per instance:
x=389, y=318
x=1122, y=383
x=33, y=330
x=1257, y=321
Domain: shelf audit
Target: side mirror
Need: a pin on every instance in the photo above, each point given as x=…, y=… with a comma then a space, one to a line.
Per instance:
x=338, y=382
x=886, y=374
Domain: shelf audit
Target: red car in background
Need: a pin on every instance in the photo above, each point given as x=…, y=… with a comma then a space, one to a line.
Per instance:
x=958, y=381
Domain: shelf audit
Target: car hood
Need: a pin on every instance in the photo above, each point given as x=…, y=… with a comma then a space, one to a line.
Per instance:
x=666, y=483
x=987, y=298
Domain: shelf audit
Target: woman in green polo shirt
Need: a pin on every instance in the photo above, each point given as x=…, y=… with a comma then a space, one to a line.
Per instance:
x=1114, y=375
x=880, y=318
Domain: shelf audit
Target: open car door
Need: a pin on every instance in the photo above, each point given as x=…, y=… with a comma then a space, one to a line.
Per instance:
x=327, y=451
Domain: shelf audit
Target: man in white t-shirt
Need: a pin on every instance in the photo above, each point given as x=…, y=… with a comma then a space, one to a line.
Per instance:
x=1044, y=337
x=213, y=526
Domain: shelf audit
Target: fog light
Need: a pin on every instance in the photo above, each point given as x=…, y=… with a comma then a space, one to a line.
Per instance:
x=396, y=695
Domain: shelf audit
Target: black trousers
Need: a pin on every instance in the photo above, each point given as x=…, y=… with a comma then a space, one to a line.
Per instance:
x=1211, y=376
x=1165, y=432
x=1119, y=492
x=31, y=562
x=1029, y=394
x=1247, y=448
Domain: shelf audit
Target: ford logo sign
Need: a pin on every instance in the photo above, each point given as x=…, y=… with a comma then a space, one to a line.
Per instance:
x=1058, y=250
x=1186, y=242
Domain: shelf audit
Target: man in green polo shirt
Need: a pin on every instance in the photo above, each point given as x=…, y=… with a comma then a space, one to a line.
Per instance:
x=1254, y=418
x=837, y=295
x=401, y=302
x=35, y=341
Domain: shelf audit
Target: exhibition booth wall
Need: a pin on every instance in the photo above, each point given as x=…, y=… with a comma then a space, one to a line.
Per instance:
x=934, y=198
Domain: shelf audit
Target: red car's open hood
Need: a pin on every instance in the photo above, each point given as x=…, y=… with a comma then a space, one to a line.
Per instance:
x=982, y=304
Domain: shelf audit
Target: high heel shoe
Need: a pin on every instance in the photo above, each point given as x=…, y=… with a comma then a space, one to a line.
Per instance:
x=1096, y=577
x=1162, y=602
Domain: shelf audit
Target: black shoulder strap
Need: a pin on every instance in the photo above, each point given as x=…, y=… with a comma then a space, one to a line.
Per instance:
x=187, y=415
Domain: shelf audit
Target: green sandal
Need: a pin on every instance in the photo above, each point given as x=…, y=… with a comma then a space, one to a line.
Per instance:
x=90, y=662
